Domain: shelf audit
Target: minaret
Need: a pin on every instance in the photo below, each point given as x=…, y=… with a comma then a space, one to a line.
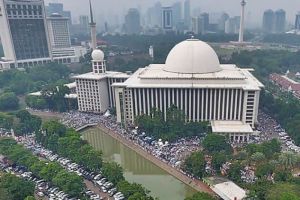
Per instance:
x=93, y=29
x=242, y=23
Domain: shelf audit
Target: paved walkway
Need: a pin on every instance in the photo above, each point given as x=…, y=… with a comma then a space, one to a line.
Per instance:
x=196, y=184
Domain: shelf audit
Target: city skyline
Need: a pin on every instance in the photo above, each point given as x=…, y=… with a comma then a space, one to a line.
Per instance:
x=108, y=11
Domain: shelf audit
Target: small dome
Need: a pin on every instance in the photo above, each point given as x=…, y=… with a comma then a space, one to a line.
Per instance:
x=98, y=55
x=192, y=56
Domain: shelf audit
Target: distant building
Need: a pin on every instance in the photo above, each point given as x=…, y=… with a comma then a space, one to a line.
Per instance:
x=297, y=22
x=268, y=21
x=274, y=22
x=177, y=14
x=60, y=39
x=84, y=23
x=232, y=25
x=59, y=31
x=222, y=22
x=167, y=18
x=187, y=13
x=279, y=21
x=132, y=21
x=24, y=33
x=58, y=8
x=197, y=25
x=205, y=17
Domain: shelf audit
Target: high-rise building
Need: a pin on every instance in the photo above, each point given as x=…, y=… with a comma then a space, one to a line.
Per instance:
x=84, y=22
x=279, y=21
x=59, y=31
x=205, y=18
x=232, y=25
x=132, y=21
x=24, y=33
x=167, y=18
x=177, y=13
x=187, y=13
x=268, y=21
x=197, y=25
x=222, y=21
x=59, y=9
x=59, y=34
x=297, y=22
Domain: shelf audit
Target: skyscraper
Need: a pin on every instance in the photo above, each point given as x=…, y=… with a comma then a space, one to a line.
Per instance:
x=176, y=13
x=59, y=31
x=268, y=21
x=187, y=13
x=167, y=18
x=24, y=33
x=58, y=8
x=232, y=25
x=197, y=25
x=84, y=23
x=133, y=21
x=279, y=21
x=205, y=17
x=297, y=22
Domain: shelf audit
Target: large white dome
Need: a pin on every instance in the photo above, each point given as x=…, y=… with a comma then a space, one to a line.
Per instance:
x=97, y=55
x=192, y=56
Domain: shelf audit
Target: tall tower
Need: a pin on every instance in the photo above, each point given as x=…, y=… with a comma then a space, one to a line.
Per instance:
x=93, y=29
x=242, y=23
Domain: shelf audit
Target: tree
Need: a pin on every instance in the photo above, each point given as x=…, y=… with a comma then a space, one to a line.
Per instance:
x=215, y=143
x=283, y=191
x=4, y=194
x=217, y=160
x=264, y=170
x=16, y=187
x=28, y=123
x=49, y=171
x=258, y=157
x=200, y=196
x=282, y=175
x=195, y=164
x=6, y=121
x=8, y=101
x=288, y=159
x=133, y=191
x=54, y=127
x=30, y=198
x=234, y=172
x=113, y=172
x=70, y=183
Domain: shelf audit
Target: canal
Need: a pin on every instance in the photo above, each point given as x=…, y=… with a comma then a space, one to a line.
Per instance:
x=137, y=168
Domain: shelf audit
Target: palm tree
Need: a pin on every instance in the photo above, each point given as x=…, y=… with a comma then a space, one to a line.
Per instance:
x=288, y=159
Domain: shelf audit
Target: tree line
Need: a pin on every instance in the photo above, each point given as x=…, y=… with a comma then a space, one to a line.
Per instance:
x=70, y=183
x=67, y=143
x=173, y=127
x=15, y=188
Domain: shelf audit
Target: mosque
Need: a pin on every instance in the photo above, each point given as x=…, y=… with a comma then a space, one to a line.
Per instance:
x=192, y=79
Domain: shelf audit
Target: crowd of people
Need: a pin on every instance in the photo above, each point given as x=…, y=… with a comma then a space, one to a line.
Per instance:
x=78, y=119
x=269, y=129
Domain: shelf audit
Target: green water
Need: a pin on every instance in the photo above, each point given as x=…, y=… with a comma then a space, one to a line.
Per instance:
x=137, y=168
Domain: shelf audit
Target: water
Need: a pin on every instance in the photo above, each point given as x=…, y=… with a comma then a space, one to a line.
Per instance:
x=137, y=168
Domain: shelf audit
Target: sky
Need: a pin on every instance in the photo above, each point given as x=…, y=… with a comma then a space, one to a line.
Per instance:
x=254, y=8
